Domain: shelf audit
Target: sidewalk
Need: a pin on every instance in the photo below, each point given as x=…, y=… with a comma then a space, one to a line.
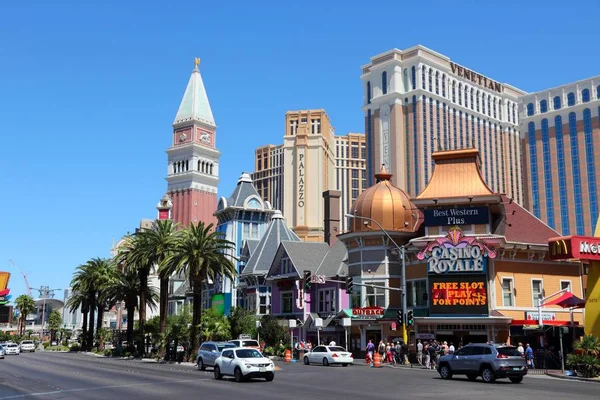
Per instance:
x=559, y=375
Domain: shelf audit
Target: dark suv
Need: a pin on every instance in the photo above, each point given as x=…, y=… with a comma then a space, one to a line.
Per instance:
x=486, y=360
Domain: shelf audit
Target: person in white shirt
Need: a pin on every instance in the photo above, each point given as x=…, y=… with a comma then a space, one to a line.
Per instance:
x=451, y=348
x=520, y=349
x=332, y=343
x=420, y=353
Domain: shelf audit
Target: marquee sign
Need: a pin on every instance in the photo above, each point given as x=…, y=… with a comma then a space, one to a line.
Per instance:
x=456, y=216
x=458, y=294
x=580, y=247
x=4, y=291
x=456, y=253
x=368, y=312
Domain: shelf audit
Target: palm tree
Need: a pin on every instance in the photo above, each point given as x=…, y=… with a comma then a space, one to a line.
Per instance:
x=83, y=282
x=103, y=276
x=200, y=254
x=26, y=305
x=76, y=300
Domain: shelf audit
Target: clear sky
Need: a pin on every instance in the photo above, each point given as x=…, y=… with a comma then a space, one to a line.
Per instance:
x=89, y=90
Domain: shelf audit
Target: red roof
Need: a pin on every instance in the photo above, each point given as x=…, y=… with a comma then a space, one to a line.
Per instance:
x=520, y=226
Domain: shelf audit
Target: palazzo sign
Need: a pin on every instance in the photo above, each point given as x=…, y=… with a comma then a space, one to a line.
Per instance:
x=301, y=184
x=476, y=78
x=580, y=247
x=456, y=216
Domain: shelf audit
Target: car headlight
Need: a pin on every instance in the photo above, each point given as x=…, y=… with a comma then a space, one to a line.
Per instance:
x=248, y=365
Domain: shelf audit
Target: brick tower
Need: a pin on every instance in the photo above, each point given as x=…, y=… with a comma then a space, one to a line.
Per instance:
x=193, y=170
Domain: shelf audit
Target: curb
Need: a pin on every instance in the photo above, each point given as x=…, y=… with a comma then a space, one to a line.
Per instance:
x=573, y=378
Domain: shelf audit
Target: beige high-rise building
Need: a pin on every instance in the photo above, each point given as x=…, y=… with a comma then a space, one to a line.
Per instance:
x=417, y=101
x=293, y=176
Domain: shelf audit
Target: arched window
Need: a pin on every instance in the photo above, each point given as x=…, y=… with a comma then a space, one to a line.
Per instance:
x=483, y=103
x=514, y=113
x=430, y=80
x=471, y=99
x=489, y=107
x=557, y=104
x=454, y=91
x=460, y=93
x=423, y=78
x=585, y=95
x=187, y=165
x=534, y=169
x=529, y=109
x=477, y=99
x=543, y=106
x=598, y=91
x=369, y=92
x=576, y=172
x=437, y=83
x=444, y=86
x=199, y=166
x=414, y=77
x=384, y=82
x=466, y=96
x=495, y=107
x=211, y=169
x=562, y=177
x=571, y=99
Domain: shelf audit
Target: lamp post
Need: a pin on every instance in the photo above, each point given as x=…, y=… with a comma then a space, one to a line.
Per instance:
x=45, y=292
x=403, y=284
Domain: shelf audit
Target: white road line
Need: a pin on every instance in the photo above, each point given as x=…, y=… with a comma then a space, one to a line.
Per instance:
x=20, y=396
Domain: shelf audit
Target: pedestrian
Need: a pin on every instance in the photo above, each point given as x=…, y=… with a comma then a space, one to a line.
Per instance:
x=370, y=349
x=381, y=349
x=529, y=356
x=426, y=354
x=420, y=352
x=332, y=343
x=399, y=355
x=451, y=348
x=432, y=354
x=520, y=349
x=388, y=353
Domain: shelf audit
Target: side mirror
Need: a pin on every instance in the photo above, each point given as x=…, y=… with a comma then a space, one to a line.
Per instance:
x=213, y=351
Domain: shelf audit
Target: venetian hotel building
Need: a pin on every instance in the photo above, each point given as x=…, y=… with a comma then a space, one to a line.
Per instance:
x=417, y=101
x=559, y=128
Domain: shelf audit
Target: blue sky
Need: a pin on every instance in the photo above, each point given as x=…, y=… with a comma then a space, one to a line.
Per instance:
x=89, y=90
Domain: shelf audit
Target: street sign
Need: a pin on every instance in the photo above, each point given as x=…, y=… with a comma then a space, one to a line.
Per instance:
x=317, y=279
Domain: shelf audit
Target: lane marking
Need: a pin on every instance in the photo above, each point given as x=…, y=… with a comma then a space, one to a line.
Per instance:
x=20, y=396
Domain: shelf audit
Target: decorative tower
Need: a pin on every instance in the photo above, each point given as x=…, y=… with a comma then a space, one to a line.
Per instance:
x=193, y=170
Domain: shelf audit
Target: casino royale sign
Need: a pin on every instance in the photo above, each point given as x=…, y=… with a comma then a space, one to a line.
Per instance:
x=456, y=253
x=476, y=78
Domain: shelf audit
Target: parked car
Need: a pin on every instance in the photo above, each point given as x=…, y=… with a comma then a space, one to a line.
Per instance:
x=12, y=348
x=209, y=352
x=244, y=363
x=329, y=355
x=251, y=343
x=27, y=345
x=2, y=352
x=486, y=360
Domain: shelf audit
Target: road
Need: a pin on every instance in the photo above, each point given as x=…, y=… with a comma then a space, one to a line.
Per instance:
x=46, y=375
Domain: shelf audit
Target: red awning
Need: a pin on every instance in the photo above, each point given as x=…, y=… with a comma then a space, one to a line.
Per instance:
x=567, y=300
x=526, y=322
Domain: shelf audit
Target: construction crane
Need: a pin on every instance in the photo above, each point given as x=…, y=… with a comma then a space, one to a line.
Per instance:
x=24, y=276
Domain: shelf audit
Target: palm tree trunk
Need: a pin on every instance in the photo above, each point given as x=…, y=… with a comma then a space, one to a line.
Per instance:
x=99, y=319
x=130, y=306
x=164, y=304
x=143, y=301
x=196, y=314
x=84, y=326
x=90, y=339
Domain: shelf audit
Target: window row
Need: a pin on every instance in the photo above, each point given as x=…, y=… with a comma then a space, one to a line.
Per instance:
x=557, y=101
x=204, y=167
x=537, y=291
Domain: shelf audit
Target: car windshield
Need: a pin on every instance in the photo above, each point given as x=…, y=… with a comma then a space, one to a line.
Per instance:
x=221, y=347
x=248, y=353
x=336, y=348
x=250, y=343
x=509, y=351
x=27, y=342
x=11, y=345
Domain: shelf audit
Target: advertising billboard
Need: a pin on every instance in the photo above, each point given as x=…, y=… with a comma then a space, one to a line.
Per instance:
x=4, y=290
x=5, y=314
x=218, y=303
x=458, y=295
x=456, y=216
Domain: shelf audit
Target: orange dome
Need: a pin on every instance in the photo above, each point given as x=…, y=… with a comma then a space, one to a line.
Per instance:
x=386, y=204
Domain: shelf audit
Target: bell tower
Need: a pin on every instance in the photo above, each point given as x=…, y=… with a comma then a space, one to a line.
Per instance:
x=193, y=159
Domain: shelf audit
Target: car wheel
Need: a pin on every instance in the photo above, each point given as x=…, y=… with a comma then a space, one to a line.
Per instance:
x=487, y=375
x=217, y=372
x=445, y=372
x=269, y=377
x=201, y=366
x=325, y=361
x=516, y=379
x=471, y=377
x=344, y=365
x=306, y=361
x=237, y=374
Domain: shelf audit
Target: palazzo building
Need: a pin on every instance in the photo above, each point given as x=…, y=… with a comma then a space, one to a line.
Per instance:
x=560, y=130
x=417, y=101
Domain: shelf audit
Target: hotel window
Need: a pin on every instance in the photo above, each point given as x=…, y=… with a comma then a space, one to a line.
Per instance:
x=537, y=291
x=471, y=99
x=445, y=127
x=576, y=173
x=565, y=285
x=454, y=91
x=460, y=124
x=354, y=151
x=437, y=83
x=454, y=131
x=483, y=103
x=590, y=165
x=327, y=300
x=315, y=125
x=437, y=125
x=489, y=107
x=363, y=151
x=423, y=78
x=477, y=99
x=508, y=294
x=416, y=293
x=286, y=302
x=466, y=96
x=543, y=106
x=562, y=177
x=414, y=77
x=598, y=92
x=548, y=167
x=431, y=136
x=585, y=95
x=375, y=296
x=384, y=82
x=430, y=80
x=557, y=102
x=460, y=94
x=250, y=230
x=495, y=107
x=425, y=167
x=369, y=92
x=263, y=304
x=534, y=169
x=514, y=111
x=415, y=144
x=444, y=86
x=251, y=303
x=571, y=99
x=370, y=133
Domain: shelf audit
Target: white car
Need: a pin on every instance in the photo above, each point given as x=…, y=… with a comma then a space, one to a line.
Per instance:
x=244, y=363
x=2, y=352
x=12, y=348
x=27, y=345
x=328, y=355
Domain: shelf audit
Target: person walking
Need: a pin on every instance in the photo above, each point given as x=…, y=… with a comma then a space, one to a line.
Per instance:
x=520, y=349
x=426, y=354
x=370, y=349
x=529, y=357
x=420, y=352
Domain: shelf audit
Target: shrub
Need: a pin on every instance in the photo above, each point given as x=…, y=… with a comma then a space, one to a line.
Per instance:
x=75, y=347
x=127, y=354
x=585, y=360
x=107, y=352
x=46, y=345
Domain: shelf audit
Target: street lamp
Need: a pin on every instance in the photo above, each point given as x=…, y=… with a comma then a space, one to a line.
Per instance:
x=45, y=292
x=403, y=284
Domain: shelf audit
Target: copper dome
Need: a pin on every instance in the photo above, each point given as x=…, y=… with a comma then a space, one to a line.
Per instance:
x=386, y=204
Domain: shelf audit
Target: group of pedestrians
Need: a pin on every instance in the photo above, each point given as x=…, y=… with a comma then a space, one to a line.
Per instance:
x=528, y=353
x=429, y=353
x=391, y=353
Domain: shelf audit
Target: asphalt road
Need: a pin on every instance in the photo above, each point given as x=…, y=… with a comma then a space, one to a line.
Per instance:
x=79, y=376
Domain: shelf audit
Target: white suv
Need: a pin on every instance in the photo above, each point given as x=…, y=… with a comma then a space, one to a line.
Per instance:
x=27, y=345
x=244, y=363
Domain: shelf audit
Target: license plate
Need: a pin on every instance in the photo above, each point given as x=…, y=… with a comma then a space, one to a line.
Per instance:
x=262, y=370
x=516, y=368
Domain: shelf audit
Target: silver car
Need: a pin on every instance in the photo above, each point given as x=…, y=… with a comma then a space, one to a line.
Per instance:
x=486, y=360
x=12, y=348
x=2, y=352
x=209, y=352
